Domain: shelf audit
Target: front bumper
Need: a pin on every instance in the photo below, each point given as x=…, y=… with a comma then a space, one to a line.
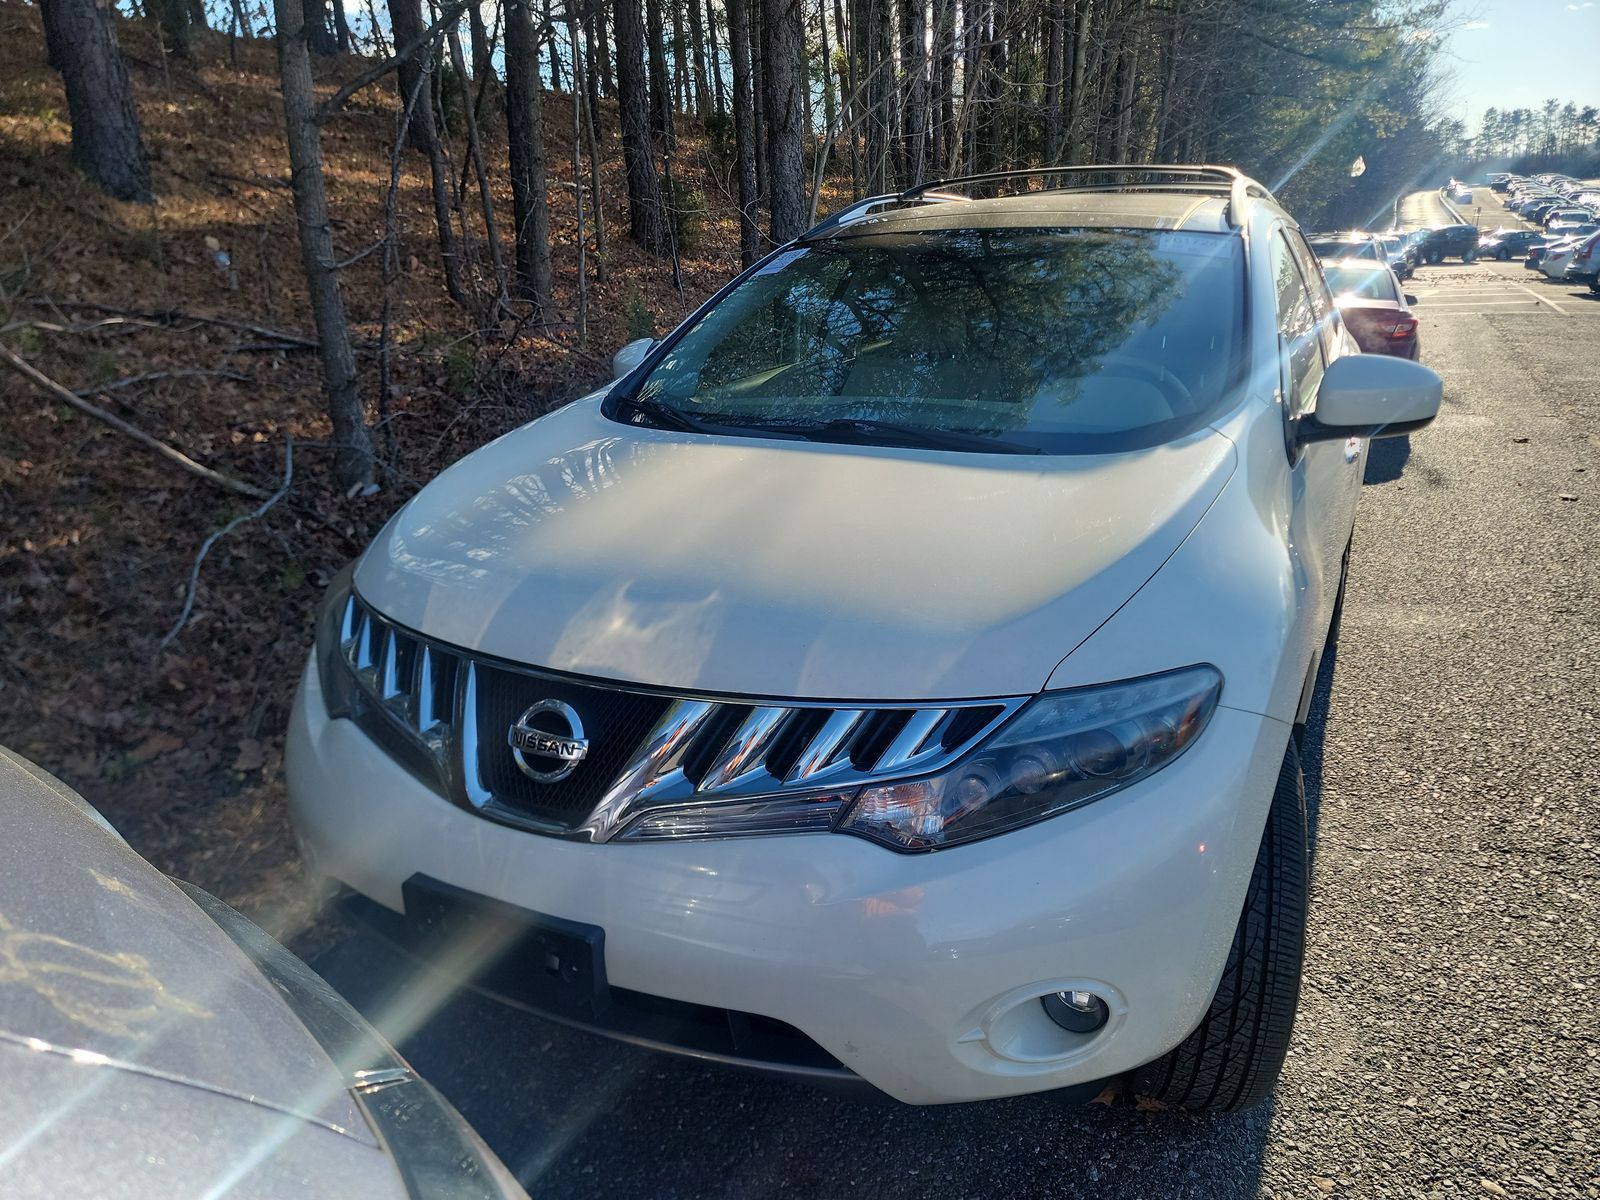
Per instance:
x=920, y=973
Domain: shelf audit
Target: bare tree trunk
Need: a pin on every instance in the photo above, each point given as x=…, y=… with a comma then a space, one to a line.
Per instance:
x=744, y=144
x=491, y=226
x=830, y=115
x=914, y=66
x=483, y=73
x=849, y=101
x=758, y=125
x=525, y=149
x=405, y=17
x=405, y=20
x=319, y=32
x=716, y=58
x=591, y=76
x=939, y=36
x=608, y=81
x=596, y=196
x=173, y=17
x=880, y=93
x=680, y=43
x=646, y=217
x=784, y=46
x=1054, y=69
x=107, y=145
x=547, y=31
x=971, y=88
x=697, y=47
x=352, y=445
x=341, y=27
x=1080, y=64
x=660, y=82
x=579, y=106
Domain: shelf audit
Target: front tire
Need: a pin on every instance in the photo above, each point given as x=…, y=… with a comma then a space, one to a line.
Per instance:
x=1233, y=1060
x=1503, y=255
x=1471, y=256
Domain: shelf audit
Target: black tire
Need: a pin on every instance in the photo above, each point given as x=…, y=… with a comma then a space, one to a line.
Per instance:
x=1471, y=256
x=1503, y=255
x=1232, y=1061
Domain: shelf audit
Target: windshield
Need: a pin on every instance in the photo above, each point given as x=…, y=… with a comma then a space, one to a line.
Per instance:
x=1060, y=341
x=1354, y=282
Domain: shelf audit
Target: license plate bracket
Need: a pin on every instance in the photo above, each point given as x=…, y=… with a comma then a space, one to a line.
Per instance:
x=548, y=963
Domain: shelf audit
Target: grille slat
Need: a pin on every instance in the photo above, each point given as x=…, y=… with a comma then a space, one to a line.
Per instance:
x=746, y=751
x=645, y=749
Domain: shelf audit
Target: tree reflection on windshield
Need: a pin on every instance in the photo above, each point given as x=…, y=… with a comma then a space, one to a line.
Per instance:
x=1080, y=339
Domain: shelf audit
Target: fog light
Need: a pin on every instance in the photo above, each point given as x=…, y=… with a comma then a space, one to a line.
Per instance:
x=1079, y=1012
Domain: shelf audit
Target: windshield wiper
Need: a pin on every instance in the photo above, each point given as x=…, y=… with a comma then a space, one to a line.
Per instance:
x=867, y=432
x=664, y=416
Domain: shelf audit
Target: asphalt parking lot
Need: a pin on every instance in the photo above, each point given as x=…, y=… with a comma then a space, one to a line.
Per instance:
x=1448, y=1042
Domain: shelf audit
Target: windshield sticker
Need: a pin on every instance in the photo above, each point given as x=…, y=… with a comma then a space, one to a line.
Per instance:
x=779, y=263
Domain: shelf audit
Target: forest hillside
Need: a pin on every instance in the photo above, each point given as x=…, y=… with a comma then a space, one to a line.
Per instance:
x=187, y=320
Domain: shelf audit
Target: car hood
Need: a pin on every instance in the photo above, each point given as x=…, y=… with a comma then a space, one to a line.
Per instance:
x=107, y=965
x=780, y=568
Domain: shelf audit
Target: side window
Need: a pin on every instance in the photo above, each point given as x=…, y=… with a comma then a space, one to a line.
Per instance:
x=1299, y=350
x=1321, y=301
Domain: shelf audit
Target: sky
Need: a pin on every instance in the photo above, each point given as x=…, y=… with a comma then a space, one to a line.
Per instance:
x=1520, y=53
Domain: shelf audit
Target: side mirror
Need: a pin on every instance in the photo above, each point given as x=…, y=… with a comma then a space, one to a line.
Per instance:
x=1410, y=299
x=630, y=356
x=1372, y=395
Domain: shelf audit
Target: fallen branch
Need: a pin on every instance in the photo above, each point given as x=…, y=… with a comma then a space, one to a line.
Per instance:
x=168, y=316
x=156, y=376
x=50, y=387
x=218, y=535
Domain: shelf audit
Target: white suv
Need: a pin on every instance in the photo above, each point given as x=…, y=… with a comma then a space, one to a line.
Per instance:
x=891, y=678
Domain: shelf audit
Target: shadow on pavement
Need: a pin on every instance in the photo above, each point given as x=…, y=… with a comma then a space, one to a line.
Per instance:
x=1386, y=459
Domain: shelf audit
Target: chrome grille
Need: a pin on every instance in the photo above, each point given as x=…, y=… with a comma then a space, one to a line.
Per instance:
x=648, y=748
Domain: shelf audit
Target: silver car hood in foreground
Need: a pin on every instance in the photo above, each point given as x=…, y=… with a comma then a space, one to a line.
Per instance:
x=129, y=1021
x=782, y=568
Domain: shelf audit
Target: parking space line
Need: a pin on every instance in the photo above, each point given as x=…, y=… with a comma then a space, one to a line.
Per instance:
x=1540, y=298
x=1473, y=303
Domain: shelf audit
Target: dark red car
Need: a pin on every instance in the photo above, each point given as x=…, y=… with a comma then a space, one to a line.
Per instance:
x=1374, y=309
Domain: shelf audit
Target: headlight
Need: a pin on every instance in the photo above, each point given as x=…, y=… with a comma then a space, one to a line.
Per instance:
x=1061, y=751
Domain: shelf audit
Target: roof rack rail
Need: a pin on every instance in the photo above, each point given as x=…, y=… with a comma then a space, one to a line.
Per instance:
x=862, y=208
x=1158, y=176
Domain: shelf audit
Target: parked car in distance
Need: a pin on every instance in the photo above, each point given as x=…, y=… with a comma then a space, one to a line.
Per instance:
x=1399, y=253
x=154, y=1043
x=680, y=679
x=1347, y=245
x=1450, y=241
x=1562, y=220
x=1506, y=244
x=1461, y=194
x=1570, y=259
x=1375, y=309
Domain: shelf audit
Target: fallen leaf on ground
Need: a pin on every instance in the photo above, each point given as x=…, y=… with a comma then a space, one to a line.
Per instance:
x=157, y=744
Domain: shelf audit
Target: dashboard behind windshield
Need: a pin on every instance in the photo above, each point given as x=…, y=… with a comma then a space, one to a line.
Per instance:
x=1064, y=341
